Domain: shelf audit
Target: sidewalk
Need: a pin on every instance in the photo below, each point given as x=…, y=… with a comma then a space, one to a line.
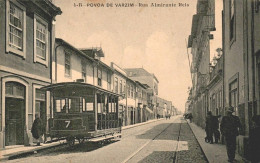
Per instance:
x=18, y=150
x=215, y=153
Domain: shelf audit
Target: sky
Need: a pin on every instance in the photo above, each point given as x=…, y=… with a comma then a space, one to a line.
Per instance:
x=133, y=37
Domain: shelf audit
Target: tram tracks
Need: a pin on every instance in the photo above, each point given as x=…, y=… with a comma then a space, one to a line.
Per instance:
x=184, y=146
x=175, y=157
x=151, y=140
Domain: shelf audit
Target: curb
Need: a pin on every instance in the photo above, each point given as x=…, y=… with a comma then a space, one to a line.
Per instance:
x=16, y=155
x=197, y=141
x=140, y=124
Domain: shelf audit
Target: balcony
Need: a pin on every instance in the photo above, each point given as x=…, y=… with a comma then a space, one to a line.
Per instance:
x=202, y=83
x=217, y=69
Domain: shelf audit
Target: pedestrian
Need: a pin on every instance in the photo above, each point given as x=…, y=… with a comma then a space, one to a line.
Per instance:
x=190, y=117
x=254, y=139
x=209, y=127
x=229, y=127
x=37, y=129
x=215, y=126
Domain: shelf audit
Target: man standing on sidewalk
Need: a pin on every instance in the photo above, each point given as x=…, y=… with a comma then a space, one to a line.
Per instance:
x=209, y=127
x=229, y=127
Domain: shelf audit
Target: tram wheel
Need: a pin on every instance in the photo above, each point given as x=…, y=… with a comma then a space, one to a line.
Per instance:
x=81, y=140
x=101, y=143
x=70, y=141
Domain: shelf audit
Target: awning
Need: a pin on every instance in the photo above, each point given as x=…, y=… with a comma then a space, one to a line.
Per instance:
x=149, y=110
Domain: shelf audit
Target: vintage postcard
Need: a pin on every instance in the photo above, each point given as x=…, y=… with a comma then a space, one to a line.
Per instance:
x=128, y=81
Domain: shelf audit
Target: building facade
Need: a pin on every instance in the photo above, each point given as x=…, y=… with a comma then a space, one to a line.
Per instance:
x=131, y=102
x=233, y=79
x=80, y=65
x=119, y=86
x=27, y=38
x=241, y=63
x=215, y=87
x=199, y=41
x=149, y=79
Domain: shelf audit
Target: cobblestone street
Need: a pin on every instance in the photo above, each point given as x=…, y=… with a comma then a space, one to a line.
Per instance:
x=153, y=142
x=194, y=154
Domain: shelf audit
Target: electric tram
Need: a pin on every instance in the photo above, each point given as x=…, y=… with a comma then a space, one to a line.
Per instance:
x=83, y=112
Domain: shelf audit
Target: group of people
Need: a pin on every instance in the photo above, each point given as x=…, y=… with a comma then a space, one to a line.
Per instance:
x=212, y=128
x=188, y=116
x=230, y=128
x=168, y=116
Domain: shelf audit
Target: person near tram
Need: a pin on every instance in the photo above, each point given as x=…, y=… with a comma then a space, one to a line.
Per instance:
x=230, y=127
x=37, y=129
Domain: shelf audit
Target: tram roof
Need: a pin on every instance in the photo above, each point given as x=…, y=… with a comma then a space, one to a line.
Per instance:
x=65, y=85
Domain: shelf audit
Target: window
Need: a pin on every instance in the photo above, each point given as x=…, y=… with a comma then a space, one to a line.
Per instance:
x=109, y=80
x=89, y=103
x=124, y=90
x=233, y=95
x=128, y=90
x=120, y=87
x=83, y=71
x=67, y=64
x=99, y=75
x=60, y=105
x=232, y=20
x=132, y=91
x=40, y=40
x=40, y=104
x=116, y=85
x=76, y=105
x=15, y=28
x=15, y=90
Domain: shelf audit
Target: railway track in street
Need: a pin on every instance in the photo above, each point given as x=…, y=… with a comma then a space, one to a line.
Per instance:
x=133, y=154
x=178, y=135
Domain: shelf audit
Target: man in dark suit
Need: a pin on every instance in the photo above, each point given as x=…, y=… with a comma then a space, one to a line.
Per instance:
x=209, y=127
x=229, y=127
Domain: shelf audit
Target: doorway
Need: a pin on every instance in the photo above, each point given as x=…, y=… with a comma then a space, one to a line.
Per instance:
x=14, y=113
x=14, y=120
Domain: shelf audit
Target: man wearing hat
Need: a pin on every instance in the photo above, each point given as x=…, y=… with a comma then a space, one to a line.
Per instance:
x=209, y=127
x=229, y=127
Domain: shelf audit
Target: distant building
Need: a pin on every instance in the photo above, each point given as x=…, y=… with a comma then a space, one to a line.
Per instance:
x=131, y=101
x=144, y=113
x=119, y=86
x=144, y=77
x=199, y=41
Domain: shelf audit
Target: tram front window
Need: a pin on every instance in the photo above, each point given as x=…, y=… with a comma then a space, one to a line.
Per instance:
x=69, y=105
x=60, y=105
x=75, y=105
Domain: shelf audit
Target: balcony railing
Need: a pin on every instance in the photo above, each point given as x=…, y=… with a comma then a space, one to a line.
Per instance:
x=217, y=69
x=202, y=83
